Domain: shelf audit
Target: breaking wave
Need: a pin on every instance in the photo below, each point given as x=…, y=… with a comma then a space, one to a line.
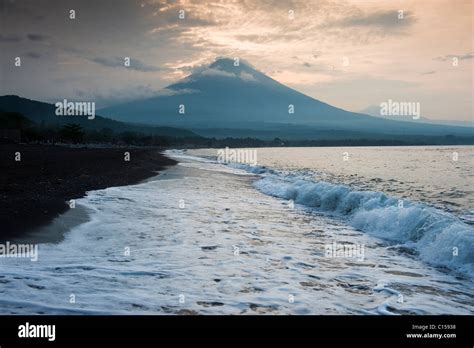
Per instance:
x=440, y=238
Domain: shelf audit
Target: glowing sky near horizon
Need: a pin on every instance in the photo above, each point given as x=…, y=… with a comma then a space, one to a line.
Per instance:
x=404, y=59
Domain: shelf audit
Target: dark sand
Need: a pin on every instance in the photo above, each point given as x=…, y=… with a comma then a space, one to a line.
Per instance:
x=36, y=189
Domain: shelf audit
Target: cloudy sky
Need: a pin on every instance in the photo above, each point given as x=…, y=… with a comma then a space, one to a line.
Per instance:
x=349, y=53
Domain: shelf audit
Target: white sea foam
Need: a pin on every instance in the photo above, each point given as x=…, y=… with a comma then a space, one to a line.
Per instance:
x=230, y=250
x=439, y=237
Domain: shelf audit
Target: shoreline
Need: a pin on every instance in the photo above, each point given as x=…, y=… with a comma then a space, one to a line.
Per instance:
x=248, y=250
x=35, y=190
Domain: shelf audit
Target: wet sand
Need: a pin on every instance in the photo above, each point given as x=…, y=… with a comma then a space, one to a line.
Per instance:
x=37, y=189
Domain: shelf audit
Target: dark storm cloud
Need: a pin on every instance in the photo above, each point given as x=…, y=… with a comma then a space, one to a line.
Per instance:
x=95, y=20
x=118, y=62
x=279, y=35
x=34, y=55
x=36, y=37
x=169, y=19
x=386, y=20
x=467, y=56
x=9, y=38
x=17, y=8
x=451, y=56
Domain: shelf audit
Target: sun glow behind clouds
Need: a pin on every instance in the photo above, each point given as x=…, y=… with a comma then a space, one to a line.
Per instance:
x=328, y=49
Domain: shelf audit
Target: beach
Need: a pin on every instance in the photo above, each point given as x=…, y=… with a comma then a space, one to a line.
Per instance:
x=37, y=187
x=206, y=238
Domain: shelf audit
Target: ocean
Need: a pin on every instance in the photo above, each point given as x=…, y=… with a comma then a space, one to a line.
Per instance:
x=386, y=230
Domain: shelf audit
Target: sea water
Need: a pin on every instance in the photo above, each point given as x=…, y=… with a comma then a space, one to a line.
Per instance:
x=305, y=231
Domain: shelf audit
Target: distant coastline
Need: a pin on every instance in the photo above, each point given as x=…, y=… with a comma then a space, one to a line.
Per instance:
x=28, y=121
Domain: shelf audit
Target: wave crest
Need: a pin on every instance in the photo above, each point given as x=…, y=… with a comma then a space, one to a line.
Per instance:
x=440, y=238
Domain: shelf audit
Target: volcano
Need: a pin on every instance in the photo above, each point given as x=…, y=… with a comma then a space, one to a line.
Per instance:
x=225, y=96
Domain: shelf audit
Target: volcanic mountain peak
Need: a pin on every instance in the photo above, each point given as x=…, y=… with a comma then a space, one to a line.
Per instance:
x=225, y=74
x=231, y=65
x=231, y=94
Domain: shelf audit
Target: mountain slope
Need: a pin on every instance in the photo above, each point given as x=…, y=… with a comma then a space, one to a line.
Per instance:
x=44, y=113
x=222, y=95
